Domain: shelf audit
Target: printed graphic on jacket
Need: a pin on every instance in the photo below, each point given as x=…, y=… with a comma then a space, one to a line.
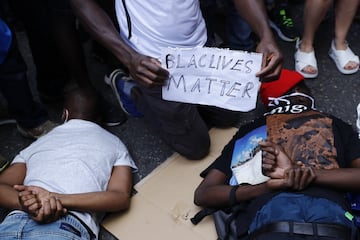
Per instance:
x=246, y=159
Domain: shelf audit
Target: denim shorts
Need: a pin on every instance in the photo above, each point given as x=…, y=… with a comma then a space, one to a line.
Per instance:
x=299, y=208
x=19, y=225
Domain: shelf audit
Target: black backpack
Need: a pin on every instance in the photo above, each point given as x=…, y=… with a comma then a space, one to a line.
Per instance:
x=224, y=220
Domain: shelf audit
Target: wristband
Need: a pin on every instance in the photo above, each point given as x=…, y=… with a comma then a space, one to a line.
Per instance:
x=232, y=195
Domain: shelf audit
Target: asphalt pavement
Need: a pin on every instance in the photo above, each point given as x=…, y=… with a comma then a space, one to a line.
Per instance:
x=334, y=92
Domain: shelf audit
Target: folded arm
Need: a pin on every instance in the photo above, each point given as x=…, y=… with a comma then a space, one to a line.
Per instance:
x=14, y=174
x=296, y=176
x=115, y=198
x=214, y=191
x=343, y=179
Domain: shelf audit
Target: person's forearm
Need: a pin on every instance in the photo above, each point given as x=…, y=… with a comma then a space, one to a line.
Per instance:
x=219, y=195
x=254, y=12
x=109, y=201
x=102, y=29
x=9, y=197
x=344, y=179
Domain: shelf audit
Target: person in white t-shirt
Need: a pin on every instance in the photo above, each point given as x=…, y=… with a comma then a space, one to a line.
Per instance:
x=61, y=185
x=145, y=27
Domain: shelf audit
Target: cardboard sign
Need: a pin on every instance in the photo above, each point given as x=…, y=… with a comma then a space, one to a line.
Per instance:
x=212, y=76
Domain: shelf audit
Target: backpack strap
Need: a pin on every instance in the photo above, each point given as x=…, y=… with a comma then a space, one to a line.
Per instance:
x=128, y=19
x=208, y=211
x=201, y=214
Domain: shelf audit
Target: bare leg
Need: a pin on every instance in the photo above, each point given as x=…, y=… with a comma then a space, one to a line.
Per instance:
x=345, y=11
x=314, y=13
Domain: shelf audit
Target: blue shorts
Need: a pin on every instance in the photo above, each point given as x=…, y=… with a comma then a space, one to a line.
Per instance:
x=19, y=225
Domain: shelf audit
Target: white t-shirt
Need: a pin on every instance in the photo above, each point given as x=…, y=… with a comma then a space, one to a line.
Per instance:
x=75, y=157
x=161, y=23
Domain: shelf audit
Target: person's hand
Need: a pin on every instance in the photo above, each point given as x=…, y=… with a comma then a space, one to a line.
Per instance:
x=50, y=211
x=272, y=60
x=147, y=71
x=28, y=201
x=274, y=160
x=47, y=208
x=296, y=179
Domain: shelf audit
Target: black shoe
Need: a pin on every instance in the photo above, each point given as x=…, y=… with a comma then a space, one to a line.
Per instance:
x=112, y=116
x=283, y=25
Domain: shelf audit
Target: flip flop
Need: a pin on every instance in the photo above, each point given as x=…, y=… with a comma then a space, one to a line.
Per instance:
x=304, y=59
x=343, y=57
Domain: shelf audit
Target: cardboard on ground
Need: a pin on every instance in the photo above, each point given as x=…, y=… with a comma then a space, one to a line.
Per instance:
x=163, y=205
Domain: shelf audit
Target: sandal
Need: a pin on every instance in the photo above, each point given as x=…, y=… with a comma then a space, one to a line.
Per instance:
x=304, y=59
x=343, y=57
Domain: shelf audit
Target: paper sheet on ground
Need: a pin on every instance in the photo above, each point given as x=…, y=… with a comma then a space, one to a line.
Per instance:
x=212, y=76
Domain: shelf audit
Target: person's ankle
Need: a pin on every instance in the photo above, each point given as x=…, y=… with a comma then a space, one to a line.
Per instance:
x=305, y=47
x=340, y=44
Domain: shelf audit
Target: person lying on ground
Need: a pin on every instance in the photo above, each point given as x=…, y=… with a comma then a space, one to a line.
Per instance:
x=308, y=160
x=61, y=185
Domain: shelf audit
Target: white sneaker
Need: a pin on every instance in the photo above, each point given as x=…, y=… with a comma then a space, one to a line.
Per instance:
x=358, y=119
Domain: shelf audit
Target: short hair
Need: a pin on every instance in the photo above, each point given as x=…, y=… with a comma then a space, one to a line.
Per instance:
x=83, y=103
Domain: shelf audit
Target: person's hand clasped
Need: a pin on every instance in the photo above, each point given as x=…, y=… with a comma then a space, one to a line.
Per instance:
x=147, y=71
x=40, y=204
x=283, y=172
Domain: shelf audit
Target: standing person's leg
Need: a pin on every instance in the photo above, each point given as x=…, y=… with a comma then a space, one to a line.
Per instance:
x=32, y=118
x=314, y=13
x=21, y=105
x=346, y=61
x=68, y=42
x=50, y=74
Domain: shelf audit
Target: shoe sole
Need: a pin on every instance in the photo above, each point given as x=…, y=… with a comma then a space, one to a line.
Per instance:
x=7, y=121
x=107, y=79
x=113, y=124
x=280, y=34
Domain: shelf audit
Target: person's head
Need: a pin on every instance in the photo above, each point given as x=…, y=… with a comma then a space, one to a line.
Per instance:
x=82, y=103
x=289, y=89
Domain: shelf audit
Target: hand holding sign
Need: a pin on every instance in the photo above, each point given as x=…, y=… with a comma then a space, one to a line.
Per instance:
x=211, y=76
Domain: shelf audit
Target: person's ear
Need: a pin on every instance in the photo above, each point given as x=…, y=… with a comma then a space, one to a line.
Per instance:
x=65, y=115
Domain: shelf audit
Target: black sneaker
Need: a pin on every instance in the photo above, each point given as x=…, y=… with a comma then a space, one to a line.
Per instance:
x=283, y=25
